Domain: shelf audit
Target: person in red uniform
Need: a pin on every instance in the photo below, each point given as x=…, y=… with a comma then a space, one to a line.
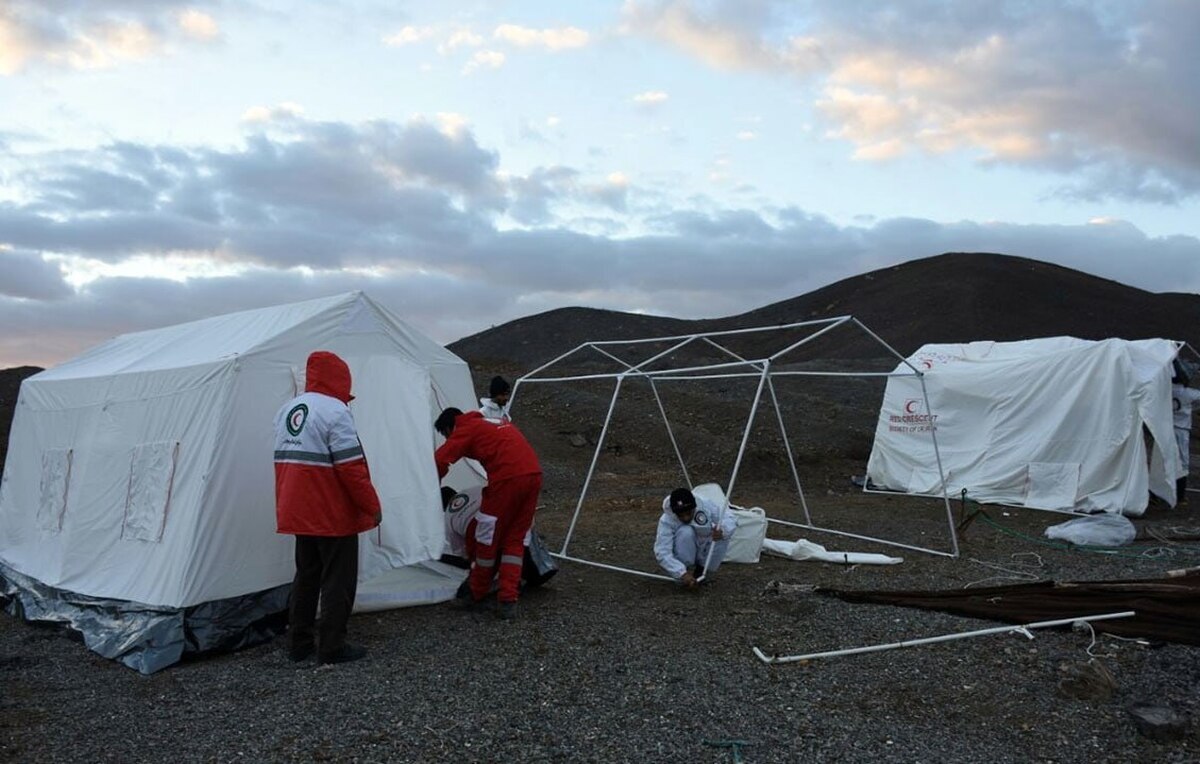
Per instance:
x=323, y=497
x=509, y=500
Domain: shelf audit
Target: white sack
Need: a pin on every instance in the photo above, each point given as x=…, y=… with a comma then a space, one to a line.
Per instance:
x=1095, y=530
x=747, y=541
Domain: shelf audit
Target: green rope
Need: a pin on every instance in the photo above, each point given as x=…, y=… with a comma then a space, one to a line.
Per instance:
x=1114, y=551
x=735, y=746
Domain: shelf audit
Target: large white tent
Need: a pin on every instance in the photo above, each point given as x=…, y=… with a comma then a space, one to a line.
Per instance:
x=1054, y=423
x=141, y=471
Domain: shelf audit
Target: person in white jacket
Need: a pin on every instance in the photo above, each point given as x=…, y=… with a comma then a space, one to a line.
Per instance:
x=687, y=529
x=1182, y=398
x=495, y=406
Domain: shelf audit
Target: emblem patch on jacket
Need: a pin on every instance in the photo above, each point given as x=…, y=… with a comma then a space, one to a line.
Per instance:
x=296, y=419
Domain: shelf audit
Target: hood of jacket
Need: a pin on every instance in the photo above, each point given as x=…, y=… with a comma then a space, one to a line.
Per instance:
x=328, y=374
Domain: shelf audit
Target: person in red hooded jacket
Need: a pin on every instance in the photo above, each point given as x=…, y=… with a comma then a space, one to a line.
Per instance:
x=324, y=497
x=508, y=503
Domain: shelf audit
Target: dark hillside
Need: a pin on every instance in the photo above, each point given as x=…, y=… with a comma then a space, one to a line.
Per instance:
x=526, y=342
x=960, y=297
x=955, y=297
x=10, y=386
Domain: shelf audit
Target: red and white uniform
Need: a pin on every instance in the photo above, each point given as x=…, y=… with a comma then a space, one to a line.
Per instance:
x=460, y=518
x=508, y=502
x=322, y=485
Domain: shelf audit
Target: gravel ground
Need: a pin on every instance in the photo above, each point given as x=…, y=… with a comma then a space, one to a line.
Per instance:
x=606, y=667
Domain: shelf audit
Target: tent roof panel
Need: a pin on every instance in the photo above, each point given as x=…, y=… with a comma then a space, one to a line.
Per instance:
x=196, y=342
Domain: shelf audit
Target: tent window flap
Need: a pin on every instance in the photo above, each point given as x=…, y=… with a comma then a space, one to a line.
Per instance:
x=152, y=470
x=56, y=477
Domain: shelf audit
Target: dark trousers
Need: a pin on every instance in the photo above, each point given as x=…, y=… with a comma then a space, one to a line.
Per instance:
x=326, y=571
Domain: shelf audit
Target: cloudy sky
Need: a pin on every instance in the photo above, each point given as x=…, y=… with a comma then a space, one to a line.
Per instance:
x=471, y=162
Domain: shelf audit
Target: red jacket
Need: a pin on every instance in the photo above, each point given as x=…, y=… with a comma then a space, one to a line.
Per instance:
x=499, y=447
x=322, y=485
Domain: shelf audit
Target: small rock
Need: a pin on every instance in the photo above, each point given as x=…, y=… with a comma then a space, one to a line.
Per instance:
x=1087, y=681
x=1158, y=722
x=578, y=441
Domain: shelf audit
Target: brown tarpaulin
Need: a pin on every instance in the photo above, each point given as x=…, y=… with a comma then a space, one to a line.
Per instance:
x=1168, y=609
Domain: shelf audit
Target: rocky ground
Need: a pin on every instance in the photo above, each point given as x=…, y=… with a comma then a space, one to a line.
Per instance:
x=604, y=666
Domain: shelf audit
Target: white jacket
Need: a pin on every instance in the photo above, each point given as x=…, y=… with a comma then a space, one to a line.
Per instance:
x=492, y=410
x=702, y=521
x=1182, y=399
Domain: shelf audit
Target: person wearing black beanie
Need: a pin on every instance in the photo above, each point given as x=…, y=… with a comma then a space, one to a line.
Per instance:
x=495, y=406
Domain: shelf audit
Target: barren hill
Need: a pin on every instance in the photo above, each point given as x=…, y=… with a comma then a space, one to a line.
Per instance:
x=10, y=385
x=954, y=297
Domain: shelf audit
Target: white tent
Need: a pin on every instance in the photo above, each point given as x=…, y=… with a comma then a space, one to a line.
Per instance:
x=141, y=471
x=1054, y=423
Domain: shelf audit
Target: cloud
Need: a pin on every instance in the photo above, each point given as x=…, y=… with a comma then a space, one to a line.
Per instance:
x=564, y=38
x=198, y=25
x=409, y=35
x=278, y=113
x=96, y=35
x=459, y=38
x=29, y=276
x=651, y=98
x=491, y=59
x=1060, y=87
x=726, y=35
x=650, y=101
x=421, y=215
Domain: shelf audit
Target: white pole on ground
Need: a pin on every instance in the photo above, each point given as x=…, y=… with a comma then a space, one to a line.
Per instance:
x=847, y=534
x=1022, y=629
x=617, y=568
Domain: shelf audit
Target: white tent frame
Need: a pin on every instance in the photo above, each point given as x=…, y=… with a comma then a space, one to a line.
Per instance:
x=761, y=369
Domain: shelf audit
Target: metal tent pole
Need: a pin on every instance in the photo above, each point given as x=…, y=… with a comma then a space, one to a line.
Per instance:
x=1022, y=629
x=737, y=465
x=810, y=338
x=592, y=468
x=617, y=568
x=671, y=433
x=847, y=534
x=787, y=446
x=937, y=455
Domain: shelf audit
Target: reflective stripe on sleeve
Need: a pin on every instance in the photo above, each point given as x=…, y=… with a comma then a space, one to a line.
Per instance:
x=511, y=559
x=303, y=457
x=347, y=454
